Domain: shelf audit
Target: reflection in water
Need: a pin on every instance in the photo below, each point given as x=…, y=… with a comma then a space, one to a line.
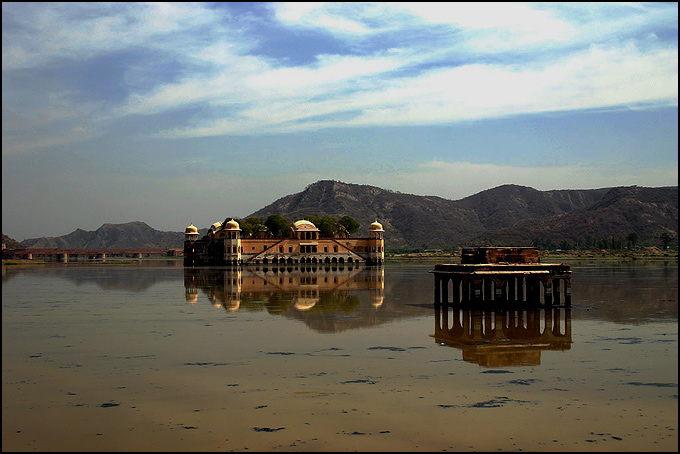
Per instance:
x=499, y=338
x=282, y=289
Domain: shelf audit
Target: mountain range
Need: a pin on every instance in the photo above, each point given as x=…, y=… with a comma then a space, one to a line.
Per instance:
x=509, y=215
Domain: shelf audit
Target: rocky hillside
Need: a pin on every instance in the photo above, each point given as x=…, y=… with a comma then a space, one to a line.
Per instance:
x=505, y=205
x=647, y=212
x=410, y=220
x=508, y=214
x=505, y=215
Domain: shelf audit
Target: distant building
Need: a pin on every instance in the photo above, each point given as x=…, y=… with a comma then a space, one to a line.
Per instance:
x=223, y=245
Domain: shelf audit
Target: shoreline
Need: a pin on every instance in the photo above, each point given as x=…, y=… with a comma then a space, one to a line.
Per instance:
x=549, y=256
x=546, y=256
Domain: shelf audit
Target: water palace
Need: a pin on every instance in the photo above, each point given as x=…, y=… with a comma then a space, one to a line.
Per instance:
x=223, y=245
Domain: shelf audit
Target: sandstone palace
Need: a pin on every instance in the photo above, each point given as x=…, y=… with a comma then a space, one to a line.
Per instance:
x=223, y=245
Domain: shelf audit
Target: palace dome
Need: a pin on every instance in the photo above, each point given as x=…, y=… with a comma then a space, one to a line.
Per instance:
x=376, y=227
x=304, y=224
x=191, y=229
x=232, y=225
x=216, y=226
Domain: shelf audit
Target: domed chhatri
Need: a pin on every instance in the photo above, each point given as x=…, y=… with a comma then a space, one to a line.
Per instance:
x=223, y=245
x=304, y=224
x=191, y=233
x=376, y=227
x=232, y=225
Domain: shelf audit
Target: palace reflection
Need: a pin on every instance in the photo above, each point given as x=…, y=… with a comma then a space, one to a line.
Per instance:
x=503, y=337
x=287, y=289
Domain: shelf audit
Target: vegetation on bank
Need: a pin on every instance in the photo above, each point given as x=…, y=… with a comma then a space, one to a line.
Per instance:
x=547, y=255
x=613, y=245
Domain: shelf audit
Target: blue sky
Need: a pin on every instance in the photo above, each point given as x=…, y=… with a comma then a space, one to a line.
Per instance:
x=179, y=113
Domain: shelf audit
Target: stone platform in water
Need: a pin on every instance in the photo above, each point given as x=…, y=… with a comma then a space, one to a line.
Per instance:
x=492, y=275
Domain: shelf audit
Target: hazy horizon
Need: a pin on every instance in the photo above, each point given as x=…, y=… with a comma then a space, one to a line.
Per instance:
x=179, y=113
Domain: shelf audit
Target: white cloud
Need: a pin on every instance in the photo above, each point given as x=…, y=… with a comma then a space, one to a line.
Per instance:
x=234, y=90
x=598, y=77
x=341, y=18
x=36, y=35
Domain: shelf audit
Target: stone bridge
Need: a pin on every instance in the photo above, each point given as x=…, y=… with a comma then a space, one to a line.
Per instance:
x=66, y=255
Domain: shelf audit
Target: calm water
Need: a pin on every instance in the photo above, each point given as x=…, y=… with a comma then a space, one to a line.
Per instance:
x=158, y=358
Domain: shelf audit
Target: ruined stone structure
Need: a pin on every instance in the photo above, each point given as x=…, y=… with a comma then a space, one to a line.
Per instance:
x=223, y=245
x=488, y=275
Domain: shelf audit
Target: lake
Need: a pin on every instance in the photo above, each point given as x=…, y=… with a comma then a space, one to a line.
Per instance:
x=156, y=357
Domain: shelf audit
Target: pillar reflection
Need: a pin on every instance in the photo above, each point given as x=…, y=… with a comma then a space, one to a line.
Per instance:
x=503, y=337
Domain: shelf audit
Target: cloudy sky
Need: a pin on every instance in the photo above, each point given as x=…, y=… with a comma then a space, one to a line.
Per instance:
x=179, y=113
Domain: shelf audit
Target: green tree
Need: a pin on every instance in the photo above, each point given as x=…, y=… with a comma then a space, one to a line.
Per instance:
x=329, y=227
x=254, y=227
x=665, y=239
x=278, y=225
x=632, y=240
x=316, y=220
x=349, y=224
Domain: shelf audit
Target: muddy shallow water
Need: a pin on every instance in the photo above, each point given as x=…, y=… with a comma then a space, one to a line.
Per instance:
x=159, y=358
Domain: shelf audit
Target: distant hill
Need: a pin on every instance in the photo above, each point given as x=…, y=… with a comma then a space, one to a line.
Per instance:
x=648, y=212
x=505, y=205
x=408, y=220
x=505, y=215
x=128, y=235
x=11, y=243
x=508, y=214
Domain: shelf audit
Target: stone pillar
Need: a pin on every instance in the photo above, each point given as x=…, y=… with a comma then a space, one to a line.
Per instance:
x=547, y=291
x=465, y=290
x=488, y=289
x=438, y=290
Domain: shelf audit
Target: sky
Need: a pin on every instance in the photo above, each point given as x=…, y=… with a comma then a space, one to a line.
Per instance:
x=172, y=113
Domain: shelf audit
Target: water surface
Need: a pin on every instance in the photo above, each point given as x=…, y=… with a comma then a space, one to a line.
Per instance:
x=157, y=357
